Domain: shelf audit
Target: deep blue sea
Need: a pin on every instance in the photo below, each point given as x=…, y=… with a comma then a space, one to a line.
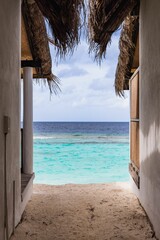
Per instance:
x=81, y=152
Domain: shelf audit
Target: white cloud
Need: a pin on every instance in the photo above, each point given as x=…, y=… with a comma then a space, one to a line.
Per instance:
x=87, y=90
x=81, y=102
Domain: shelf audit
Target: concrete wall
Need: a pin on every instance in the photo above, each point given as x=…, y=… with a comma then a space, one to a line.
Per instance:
x=150, y=110
x=10, y=105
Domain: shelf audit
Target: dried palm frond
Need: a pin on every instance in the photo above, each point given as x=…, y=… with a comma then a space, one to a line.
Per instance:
x=127, y=46
x=105, y=17
x=53, y=83
x=38, y=41
x=65, y=21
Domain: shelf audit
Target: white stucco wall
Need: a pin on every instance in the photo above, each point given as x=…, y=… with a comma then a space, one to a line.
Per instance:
x=150, y=110
x=10, y=104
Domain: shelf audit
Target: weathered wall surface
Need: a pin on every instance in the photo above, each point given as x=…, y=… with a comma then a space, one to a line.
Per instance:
x=150, y=110
x=10, y=105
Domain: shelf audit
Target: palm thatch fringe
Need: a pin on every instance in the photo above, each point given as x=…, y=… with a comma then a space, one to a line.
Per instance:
x=105, y=17
x=65, y=21
x=53, y=83
x=127, y=46
x=37, y=37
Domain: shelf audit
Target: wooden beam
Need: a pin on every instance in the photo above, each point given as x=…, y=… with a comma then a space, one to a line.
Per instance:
x=30, y=63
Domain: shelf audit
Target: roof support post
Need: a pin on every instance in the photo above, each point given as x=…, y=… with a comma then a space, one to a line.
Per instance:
x=27, y=121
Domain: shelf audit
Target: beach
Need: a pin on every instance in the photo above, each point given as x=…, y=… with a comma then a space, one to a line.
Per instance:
x=88, y=212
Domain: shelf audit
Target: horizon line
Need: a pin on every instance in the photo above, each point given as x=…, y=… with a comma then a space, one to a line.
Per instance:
x=72, y=121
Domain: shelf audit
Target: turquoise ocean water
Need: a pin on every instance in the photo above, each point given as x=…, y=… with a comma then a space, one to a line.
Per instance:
x=81, y=152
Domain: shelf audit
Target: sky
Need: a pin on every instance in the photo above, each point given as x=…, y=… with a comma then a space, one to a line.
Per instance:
x=87, y=89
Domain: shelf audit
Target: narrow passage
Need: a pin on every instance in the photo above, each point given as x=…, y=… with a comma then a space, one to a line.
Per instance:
x=84, y=212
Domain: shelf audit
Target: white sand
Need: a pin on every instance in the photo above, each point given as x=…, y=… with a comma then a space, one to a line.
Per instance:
x=87, y=212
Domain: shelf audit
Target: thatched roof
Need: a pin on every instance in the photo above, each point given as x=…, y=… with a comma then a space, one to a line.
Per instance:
x=65, y=19
x=128, y=56
x=35, y=45
x=105, y=17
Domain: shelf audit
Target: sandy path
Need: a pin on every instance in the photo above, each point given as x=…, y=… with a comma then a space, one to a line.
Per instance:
x=87, y=212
